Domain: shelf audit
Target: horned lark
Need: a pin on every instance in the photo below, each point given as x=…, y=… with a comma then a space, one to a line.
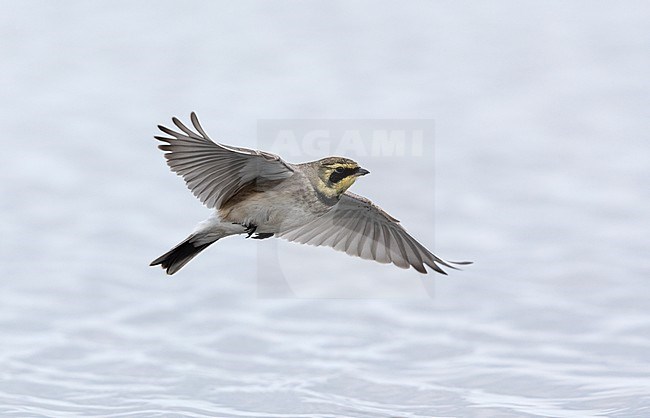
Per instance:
x=258, y=194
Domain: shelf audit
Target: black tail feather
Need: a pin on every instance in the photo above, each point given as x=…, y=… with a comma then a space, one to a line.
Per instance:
x=174, y=259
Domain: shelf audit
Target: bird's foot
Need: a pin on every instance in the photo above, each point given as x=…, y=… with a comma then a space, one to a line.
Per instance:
x=263, y=235
x=250, y=229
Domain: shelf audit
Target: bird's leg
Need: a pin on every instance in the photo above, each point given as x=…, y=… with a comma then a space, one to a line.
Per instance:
x=250, y=229
x=263, y=235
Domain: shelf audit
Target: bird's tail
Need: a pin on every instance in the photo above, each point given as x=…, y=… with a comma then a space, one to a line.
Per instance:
x=174, y=259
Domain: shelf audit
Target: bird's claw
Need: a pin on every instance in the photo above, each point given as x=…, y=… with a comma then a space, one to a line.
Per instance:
x=250, y=229
x=263, y=235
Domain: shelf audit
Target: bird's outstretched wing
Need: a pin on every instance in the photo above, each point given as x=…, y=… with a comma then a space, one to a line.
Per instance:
x=360, y=228
x=215, y=172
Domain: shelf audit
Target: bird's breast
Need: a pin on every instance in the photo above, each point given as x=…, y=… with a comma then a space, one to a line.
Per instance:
x=273, y=211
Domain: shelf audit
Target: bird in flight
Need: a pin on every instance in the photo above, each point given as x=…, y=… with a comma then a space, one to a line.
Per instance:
x=258, y=194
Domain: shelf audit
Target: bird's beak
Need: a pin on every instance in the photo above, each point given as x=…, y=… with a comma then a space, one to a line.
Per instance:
x=362, y=171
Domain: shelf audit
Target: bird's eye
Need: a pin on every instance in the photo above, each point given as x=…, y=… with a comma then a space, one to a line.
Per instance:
x=339, y=169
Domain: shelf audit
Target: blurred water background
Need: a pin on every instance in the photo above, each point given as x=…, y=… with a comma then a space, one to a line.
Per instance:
x=541, y=175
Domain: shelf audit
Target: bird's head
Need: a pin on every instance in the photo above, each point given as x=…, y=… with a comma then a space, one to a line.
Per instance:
x=336, y=175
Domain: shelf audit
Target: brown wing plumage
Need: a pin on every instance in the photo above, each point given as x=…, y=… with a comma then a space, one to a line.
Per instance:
x=216, y=172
